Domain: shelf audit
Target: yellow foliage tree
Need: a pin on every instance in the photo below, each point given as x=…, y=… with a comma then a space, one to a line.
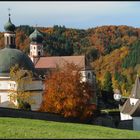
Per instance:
x=115, y=84
x=19, y=93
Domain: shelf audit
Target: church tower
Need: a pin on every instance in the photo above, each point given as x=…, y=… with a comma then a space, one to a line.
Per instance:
x=36, y=45
x=9, y=35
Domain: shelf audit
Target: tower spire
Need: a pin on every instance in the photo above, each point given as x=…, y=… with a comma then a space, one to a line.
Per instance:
x=10, y=32
x=9, y=13
x=36, y=45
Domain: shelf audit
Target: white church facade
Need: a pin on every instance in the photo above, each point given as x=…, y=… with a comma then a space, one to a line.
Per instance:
x=9, y=57
x=7, y=87
x=35, y=62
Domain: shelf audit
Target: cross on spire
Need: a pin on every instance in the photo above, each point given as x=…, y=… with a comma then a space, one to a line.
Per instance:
x=9, y=11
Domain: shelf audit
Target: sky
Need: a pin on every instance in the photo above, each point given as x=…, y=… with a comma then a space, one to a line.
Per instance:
x=71, y=14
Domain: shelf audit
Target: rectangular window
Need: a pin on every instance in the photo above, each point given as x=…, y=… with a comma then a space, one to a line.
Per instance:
x=11, y=40
x=7, y=40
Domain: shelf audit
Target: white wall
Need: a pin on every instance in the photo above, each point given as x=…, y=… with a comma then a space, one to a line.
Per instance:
x=4, y=98
x=87, y=75
x=7, y=84
x=9, y=35
x=35, y=48
x=125, y=116
x=37, y=97
x=133, y=101
x=5, y=87
x=35, y=87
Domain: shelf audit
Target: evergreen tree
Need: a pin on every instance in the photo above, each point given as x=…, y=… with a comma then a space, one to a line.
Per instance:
x=68, y=48
x=133, y=58
x=108, y=82
x=116, y=75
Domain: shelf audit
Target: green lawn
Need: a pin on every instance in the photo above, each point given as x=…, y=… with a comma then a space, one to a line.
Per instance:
x=28, y=128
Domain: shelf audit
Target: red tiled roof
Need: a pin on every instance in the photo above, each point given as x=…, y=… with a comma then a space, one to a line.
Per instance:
x=53, y=62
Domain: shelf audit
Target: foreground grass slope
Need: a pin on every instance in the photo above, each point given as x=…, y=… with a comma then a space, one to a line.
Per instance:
x=28, y=128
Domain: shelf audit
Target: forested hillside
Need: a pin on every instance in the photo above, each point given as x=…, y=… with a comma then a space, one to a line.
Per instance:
x=113, y=49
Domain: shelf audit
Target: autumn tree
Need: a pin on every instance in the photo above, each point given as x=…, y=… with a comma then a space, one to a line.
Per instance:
x=22, y=78
x=66, y=94
x=115, y=84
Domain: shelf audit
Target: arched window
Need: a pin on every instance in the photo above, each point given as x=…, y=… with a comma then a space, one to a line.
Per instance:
x=89, y=75
x=11, y=39
x=39, y=53
x=7, y=40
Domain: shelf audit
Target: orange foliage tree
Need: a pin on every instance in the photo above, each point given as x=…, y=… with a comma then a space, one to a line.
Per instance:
x=65, y=94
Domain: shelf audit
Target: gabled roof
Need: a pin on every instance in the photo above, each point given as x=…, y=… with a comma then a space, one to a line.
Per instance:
x=128, y=108
x=54, y=62
x=133, y=110
x=135, y=93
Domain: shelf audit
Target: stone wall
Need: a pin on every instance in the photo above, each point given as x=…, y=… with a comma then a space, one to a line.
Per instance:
x=102, y=120
x=126, y=124
x=16, y=113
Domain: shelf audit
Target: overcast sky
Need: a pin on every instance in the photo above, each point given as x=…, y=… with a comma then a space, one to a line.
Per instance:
x=82, y=15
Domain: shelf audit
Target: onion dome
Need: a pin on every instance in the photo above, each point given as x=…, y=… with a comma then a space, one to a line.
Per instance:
x=10, y=57
x=36, y=37
x=9, y=26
